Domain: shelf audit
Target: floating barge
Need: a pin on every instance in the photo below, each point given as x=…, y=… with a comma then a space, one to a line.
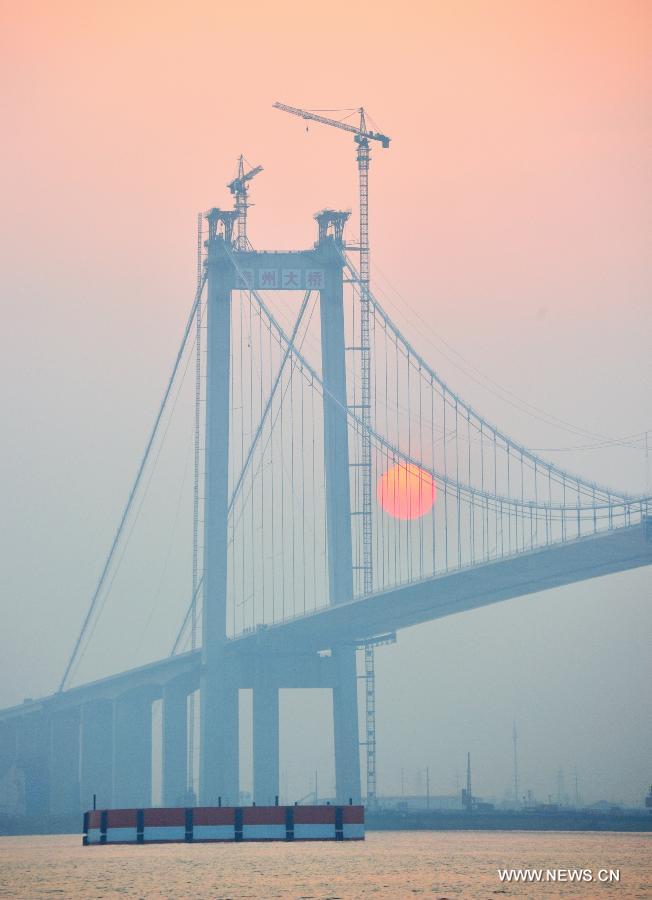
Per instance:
x=203, y=824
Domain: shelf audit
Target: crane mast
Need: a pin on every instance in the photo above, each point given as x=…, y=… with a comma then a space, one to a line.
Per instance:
x=239, y=189
x=363, y=159
x=362, y=137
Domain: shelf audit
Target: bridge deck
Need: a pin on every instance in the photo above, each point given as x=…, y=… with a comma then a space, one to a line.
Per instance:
x=464, y=589
x=402, y=607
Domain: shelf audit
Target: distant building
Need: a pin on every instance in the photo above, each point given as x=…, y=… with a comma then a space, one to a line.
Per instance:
x=419, y=801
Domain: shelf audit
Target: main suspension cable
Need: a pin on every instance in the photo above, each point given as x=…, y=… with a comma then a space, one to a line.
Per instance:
x=135, y=486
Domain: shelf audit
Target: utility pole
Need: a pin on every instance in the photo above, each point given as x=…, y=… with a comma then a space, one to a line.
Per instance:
x=561, y=792
x=577, y=787
x=515, y=739
x=469, y=792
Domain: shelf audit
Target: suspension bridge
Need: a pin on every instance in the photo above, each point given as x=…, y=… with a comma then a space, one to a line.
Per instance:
x=348, y=492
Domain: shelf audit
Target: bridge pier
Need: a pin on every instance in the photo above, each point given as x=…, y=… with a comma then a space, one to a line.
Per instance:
x=338, y=522
x=8, y=735
x=132, y=749
x=33, y=758
x=345, y=726
x=219, y=747
x=96, y=773
x=64, y=761
x=265, y=740
x=10, y=794
x=175, y=745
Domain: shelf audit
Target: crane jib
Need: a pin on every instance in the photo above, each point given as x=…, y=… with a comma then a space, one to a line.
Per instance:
x=359, y=132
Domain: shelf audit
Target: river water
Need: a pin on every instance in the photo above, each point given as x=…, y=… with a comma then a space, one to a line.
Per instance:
x=386, y=865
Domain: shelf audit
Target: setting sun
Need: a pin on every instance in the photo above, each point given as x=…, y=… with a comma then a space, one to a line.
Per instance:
x=406, y=491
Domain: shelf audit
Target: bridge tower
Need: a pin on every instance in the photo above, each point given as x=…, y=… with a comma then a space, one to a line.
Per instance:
x=223, y=674
x=218, y=690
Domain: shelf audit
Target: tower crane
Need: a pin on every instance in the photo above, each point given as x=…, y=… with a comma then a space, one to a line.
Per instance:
x=239, y=189
x=362, y=136
x=361, y=130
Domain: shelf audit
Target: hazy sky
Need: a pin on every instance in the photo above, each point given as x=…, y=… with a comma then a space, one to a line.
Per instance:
x=512, y=214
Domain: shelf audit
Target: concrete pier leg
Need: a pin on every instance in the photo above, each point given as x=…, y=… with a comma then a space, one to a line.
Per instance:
x=338, y=520
x=10, y=785
x=219, y=735
x=33, y=760
x=97, y=753
x=175, y=745
x=336, y=442
x=64, y=762
x=132, y=750
x=219, y=748
x=265, y=742
x=345, y=727
x=8, y=737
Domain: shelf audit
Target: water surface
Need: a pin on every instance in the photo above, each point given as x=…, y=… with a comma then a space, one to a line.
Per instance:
x=387, y=865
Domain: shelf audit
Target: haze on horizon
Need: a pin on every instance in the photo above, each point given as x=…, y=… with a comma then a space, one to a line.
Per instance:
x=510, y=241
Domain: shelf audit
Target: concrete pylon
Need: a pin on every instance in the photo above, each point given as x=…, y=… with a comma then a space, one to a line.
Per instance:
x=11, y=795
x=219, y=743
x=132, y=749
x=338, y=520
x=336, y=438
x=219, y=733
x=96, y=753
x=64, y=762
x=265, y=740
x=175, y=744
x=345, y=726
x=8, y=737
x=33, y=759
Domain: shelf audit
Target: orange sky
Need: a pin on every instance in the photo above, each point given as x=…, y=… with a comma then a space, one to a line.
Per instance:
x=516, y=191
